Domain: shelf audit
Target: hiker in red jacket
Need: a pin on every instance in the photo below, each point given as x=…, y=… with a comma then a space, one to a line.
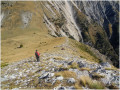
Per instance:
x=37, y=56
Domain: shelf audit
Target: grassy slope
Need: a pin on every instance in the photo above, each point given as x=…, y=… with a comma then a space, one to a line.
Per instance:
x=33, y=37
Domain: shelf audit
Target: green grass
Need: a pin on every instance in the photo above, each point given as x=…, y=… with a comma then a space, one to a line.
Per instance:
x=96, y=85
x=4, y=64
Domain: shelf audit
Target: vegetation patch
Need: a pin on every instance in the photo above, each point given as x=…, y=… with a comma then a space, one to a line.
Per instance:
x=4, y=64
x=21, y=45
x=74, y=65
x=96, y=85
x=110, y=68
x=86, y=49
x=97, y=76
x=61, y=68
x=84, y=68
x=66, y=74
x=113, y=86
x=92, y=84
x=58, y=58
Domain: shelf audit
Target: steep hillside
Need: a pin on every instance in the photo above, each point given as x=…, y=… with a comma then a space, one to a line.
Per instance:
x=70, y=65
x=93, y=23
x=78, y=49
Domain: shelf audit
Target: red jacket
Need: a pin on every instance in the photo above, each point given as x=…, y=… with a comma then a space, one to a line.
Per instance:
x=38, y=54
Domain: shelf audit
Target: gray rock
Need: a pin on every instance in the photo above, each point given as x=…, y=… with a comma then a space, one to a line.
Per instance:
x=71, y=81
x=26, y=17
x=83, y=73
x=100, y=70
x=51, y=74
x=106, y=64
x=60, y=78
x=70, y=63
x=81, y=64
x=45, y=75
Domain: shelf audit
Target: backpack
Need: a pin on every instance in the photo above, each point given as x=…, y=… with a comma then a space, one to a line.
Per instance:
x=36, y=54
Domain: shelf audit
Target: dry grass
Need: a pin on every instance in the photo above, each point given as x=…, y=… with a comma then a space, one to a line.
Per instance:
x=74, y=65
x=62, y=68
x=32, y=37
x=66, y=74
x=110, y=68
x=80, y=52
x=77, y=86
x=97, y=76
x=84, y=68
x=110, y=28
x=11, y=53
x=113, y=86
x=92, y=84
x=58, y=58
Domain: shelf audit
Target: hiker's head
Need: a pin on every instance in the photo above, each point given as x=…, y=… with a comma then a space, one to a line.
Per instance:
x=36, y=50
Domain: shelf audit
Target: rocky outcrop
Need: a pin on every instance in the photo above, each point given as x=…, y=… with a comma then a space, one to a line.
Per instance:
x=29, y=73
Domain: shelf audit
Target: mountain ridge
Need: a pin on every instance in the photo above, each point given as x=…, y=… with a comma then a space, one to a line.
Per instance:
x=71, y=19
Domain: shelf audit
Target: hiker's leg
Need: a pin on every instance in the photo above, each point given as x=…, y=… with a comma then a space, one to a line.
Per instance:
x=38, y=59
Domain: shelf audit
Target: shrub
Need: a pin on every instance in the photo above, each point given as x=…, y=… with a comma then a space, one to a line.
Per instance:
x=21, y=45
x=71, y=37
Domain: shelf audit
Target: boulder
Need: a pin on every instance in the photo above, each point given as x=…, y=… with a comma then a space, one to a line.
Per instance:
x=81, y=64
x=51, y=74
x=50, y=80
x=100, y=69
x=70, y=63
x=71, y=81
x=44, y=75
x=60, y=78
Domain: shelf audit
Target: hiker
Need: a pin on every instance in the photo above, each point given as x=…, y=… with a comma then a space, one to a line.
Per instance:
x=37, y=56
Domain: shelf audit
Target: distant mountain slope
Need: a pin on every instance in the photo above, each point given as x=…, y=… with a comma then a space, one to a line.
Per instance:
x=93, y=23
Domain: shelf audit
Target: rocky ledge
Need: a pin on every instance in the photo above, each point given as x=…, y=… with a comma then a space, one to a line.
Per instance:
x=58, y=72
